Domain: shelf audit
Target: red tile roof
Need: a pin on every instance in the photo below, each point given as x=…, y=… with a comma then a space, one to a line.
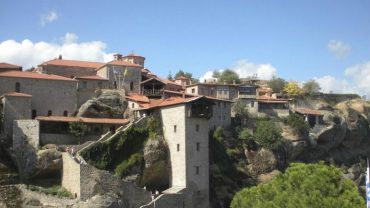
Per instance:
x=33, y=75
x=4, y=65
x=267, y=99
x=16, y=94
x=92, y=77
x=137, y=97
x=156, y=103
x=83, y=120
x=123, y=63
x=73, y=63
x=181, y=78
x=308, y=111
x=133, y=55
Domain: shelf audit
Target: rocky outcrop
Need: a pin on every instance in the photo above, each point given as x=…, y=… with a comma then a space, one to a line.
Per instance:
x=260, y=161
x=108, y=104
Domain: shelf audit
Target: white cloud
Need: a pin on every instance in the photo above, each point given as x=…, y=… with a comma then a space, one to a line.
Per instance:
x=330, y=84
x=338, y=48
x=27, y=53
x=49, y=18
x=245, y=68
x=360, y=75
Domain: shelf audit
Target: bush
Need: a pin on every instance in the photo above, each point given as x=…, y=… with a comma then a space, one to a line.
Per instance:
x=268, y=135
x=303, y=185
x=124, y=167
x=299, y=125
x=218, y=133
x=56, y=190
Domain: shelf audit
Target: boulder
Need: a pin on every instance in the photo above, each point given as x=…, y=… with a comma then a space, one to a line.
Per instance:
x=109, y=104
x=267, y=177
x=155, y=150
x=260, y=161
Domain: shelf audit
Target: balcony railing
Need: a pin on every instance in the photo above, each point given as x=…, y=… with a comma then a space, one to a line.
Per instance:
x=151, y=92
x=247, y=96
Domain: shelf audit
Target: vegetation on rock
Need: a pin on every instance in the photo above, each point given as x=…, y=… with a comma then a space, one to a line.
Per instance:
x=55, y=190
x=292, y=89
x=311, y=87
x=78, y=129
x=268, y=135
x=302, y=185
x=298, y=124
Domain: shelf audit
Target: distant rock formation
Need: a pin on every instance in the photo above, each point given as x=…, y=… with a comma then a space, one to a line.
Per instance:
x=107, y=104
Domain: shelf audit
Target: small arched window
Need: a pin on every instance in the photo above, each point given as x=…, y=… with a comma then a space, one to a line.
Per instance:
x=50, y=113
x=65, y=113
x=17, y=87
x=34, y=114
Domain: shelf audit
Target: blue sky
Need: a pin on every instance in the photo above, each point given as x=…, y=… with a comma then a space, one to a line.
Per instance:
x=297, y=40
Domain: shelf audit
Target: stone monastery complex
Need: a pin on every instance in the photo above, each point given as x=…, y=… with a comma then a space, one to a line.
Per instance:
x=34, y=101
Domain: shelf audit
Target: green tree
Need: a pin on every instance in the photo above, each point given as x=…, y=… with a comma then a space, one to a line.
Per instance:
x=241, y=113
x=78, y=129
x=185, y=74
x=298, y=123
x=292, y=89
x=276, y=84
x=311, y=87
x=227, y=76
x=268, y=134
x=169, y=76
x=302, y=185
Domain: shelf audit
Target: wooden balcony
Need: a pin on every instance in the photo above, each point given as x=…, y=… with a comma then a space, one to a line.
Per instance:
x=151, y=92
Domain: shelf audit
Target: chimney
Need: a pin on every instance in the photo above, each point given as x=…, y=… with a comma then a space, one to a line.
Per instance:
x=117, y=57
x=60, y=57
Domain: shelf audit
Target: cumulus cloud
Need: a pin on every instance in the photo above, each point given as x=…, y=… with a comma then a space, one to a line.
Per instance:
x=50, y=17
x=244, y=68
x=330, y=84
x=338, y=48
x=27, y=53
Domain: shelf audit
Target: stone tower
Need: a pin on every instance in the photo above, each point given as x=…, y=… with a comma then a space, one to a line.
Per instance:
x=135, y=59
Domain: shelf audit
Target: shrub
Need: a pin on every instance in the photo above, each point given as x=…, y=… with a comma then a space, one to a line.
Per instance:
x=218, y=133
x=56, y=190
x=303, y=185
x=268, y=135
x=124, y=167
x=297, y=122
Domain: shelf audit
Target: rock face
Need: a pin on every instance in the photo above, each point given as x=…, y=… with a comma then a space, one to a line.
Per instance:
x=260, y=161
x=156, y=172
x=108, y=104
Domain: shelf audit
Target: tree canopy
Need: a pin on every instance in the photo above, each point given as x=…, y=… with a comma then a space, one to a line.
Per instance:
x=311, y=87
x=302, y=185
x=276, y=84
x=227, y=76
x=292, y=89
x=268, y=134
x=185, y=74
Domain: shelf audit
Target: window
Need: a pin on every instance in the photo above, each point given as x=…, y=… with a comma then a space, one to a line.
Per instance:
x=65, y=113
x=100, y=85
x=218, y=104
x=50, y=113
x=174, y=128
x=197, y=127
x=178, y=147
x=225, y=91
x=252, y=104
x=114, y=85
x=131, y=86
x=198, y=146
x=197, y=170
x=34, y=114
x=193, y=91
x=17, y=87
x=133, y=105
x=83, y=85
x=224, y=104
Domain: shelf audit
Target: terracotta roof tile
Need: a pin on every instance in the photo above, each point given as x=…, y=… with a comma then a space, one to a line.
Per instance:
x=181, y=78
x=4, y=65
x=308, y=111
x=137, y=97
x=92, y=77
x=133, y=55
x=83, y=120
x=73, y=63
x=124, y=63
x=33, y=75
x=17, y=94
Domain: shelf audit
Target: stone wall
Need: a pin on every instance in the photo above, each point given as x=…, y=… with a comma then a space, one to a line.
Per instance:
x=221, y=114
x=55, y=95
x=71, y=175
x=46, y=138
x=166, y=201
x=25, y=146
x=88, y=91
x=15, y=108
x=133, y=75
x=68, y=72
x=86, y=181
